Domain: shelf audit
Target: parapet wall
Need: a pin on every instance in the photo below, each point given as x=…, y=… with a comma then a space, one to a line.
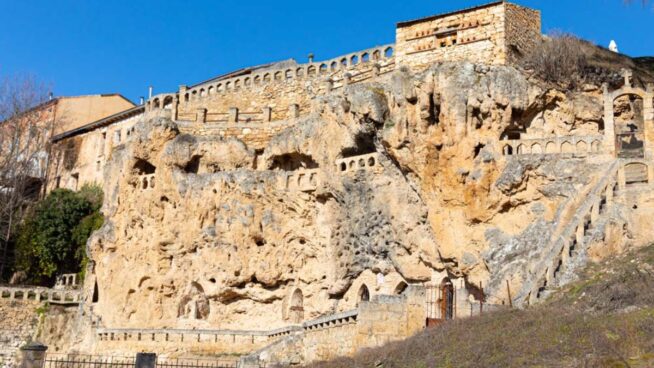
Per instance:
x=383, y=319
x=273, y=93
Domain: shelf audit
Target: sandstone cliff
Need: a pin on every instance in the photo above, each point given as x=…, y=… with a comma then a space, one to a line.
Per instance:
x=405, y=175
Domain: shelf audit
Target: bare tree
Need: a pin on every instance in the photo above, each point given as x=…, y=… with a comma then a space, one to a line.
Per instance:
x=26, y=123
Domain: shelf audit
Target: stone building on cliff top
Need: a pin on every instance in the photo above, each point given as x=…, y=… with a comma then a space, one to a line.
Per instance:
x=294, y=212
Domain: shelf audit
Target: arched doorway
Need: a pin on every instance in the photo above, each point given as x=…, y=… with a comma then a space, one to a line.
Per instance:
x=628, y=115
x=447, y=299
x=363, y=295
x=297, y=306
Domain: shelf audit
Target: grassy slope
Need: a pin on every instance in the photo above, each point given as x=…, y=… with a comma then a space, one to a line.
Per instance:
x=645, y=63
x=604, y=320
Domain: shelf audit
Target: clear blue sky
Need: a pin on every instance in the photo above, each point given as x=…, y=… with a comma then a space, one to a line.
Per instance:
x=94, y=46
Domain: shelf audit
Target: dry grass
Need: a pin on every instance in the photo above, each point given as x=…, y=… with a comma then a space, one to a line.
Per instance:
x=605, y=320
x=570, y=62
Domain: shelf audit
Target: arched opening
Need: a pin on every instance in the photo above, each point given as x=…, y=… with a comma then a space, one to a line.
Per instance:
x=628, y=114
x=333, y=66
x=566, y=147
x=507, y=150
x=289, y=74
x=96, y=294
x=237, y=84
x=143, y=167
x=344, y=63
x=323, y=68
x=354, y=60
x=582, y=147
x=311, y=71
x=266, y=77
x=247, y=81
x=447, y=299
x=636, y=173
x=365, y=58
x=297, y=307
x=168, y=100
x=400, y=288
x=550, y=147
x=278, y=76
x=388, y=52
x=595, y=146
x=299, y=72
x=363, y=295
x=293, y=161
x=536, y=148
x=376, y=55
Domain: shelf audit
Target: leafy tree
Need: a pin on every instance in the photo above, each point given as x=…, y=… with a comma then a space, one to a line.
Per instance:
x=53, y=238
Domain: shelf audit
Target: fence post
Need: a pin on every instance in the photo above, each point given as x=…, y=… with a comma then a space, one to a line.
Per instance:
x=33, y=355
x=145, y=360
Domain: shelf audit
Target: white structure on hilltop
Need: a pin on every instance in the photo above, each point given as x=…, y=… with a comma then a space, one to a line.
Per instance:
x=613, y=46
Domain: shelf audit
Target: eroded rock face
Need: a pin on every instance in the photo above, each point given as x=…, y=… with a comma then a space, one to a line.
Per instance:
x=405, y=176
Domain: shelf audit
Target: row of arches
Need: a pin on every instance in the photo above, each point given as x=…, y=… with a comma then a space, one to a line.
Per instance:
x=308, y=70
x=296, y=308
x=582, y=146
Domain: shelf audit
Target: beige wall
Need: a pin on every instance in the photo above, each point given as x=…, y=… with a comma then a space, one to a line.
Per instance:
x=74, y=112
x=81, y=159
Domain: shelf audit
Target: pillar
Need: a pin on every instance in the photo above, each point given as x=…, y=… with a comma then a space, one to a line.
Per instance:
x=347, y=79
x=648, y=114
x=594, y=213
x=609, y=123
x=579, y=235
x=376, y=70
x=173, y=115
x=329, y=84
x=621, y=178
x=201, y=116
x=233, y=115
x=267, y=114
x=182, y=89
x=565, y=254
x=33, y=355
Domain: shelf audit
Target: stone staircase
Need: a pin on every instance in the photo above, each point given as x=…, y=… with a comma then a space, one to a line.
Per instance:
x=566, y=251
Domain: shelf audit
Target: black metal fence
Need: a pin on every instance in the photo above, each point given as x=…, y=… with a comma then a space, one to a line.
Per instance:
x=97, y=361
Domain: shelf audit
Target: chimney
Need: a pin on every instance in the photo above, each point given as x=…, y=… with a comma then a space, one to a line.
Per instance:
x=150, y=92
x=311, y=57
x=50, y=95
x=141, y=100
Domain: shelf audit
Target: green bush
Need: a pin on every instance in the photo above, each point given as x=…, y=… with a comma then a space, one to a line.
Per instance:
x=52, y=239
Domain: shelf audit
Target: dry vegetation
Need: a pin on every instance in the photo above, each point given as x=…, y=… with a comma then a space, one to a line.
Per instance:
x=571, y=62
x=605, y=320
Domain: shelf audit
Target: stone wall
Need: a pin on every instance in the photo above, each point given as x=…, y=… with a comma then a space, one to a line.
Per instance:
x=81, y=159
x=476, y=35
x=18, y=322
x=489, y=34
x=282, y=87
x=523, y=30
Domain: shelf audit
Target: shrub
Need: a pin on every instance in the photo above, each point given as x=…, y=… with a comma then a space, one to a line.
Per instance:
x=559, y=58
x=53, y=237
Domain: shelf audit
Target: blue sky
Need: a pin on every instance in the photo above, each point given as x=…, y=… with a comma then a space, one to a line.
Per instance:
x=123, y=46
